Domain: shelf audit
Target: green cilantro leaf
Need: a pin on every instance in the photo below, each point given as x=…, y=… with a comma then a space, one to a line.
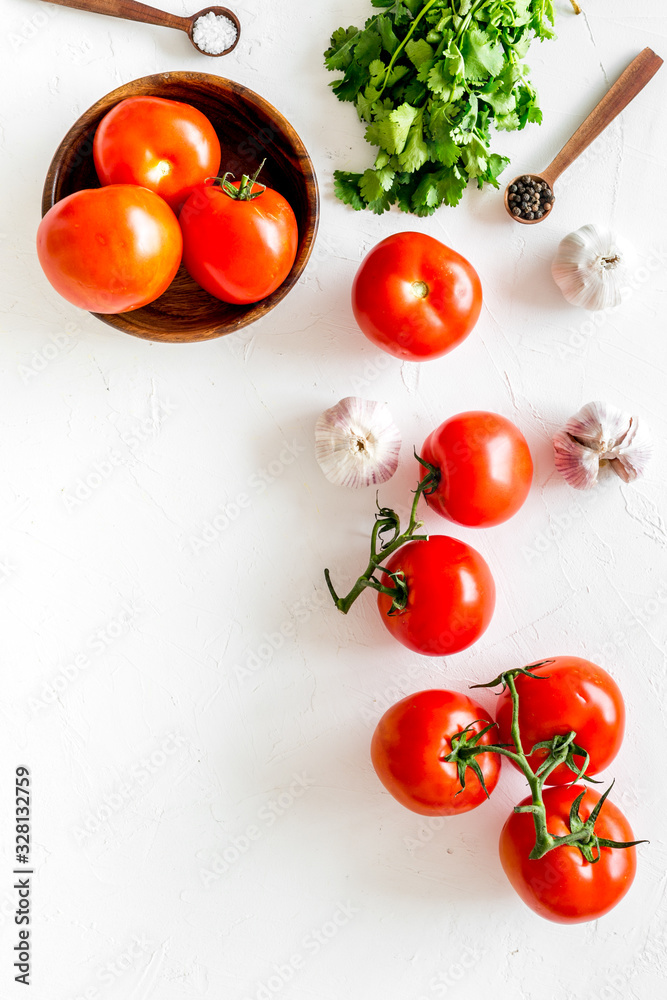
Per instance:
x=368, y=46
x=364, y=107
x=482, y=57
x=385, y=201
x=339, y=56
x=475, y=157
x=452, y=185
x=354, y=80
x=393, y=130
x=414, y=93
x=454, y=61
x=444, y=186
x=441, y=82
x=495, y=166
x=374, y=183
x=419, y=52
x=389, y=38
x=416, y=152
x=507, y=123
x=521, y=14
x=346, y=188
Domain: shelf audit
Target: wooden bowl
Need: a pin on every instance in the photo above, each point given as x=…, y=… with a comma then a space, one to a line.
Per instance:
x=249, y=129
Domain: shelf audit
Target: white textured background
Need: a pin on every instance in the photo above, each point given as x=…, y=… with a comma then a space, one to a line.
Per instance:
x=144, y=676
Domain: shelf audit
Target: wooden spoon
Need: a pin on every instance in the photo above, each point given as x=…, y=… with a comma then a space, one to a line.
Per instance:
x=628, y=85
x=130, y=10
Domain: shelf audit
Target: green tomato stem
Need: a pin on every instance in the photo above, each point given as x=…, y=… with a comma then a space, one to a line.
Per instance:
x=385, y=520
x=244, y=192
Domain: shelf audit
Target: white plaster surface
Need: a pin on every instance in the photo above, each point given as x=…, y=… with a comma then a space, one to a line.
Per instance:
x=174, y=715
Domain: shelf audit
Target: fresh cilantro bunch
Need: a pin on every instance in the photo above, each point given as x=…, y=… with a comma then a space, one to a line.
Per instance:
x=429, y=77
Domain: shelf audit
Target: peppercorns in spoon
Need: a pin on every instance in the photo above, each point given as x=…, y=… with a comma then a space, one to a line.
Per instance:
x=529, y=198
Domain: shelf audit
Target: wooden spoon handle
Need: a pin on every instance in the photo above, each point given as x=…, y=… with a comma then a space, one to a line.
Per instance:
x=130, y=10
x=628, y=85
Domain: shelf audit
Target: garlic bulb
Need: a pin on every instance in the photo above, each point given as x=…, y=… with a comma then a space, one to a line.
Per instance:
x=591, y=268
x=601, y=433
x=357, y=443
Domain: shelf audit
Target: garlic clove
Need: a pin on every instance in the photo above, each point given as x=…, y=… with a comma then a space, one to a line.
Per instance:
x=357, y=443
x=577, y=463
x=601, y=433
x=591, y=267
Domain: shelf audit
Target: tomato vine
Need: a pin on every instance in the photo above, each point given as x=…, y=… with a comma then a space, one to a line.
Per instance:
x=387, y=520
x=466, y=747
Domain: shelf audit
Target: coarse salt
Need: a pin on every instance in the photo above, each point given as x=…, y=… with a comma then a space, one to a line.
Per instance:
x=214, y=33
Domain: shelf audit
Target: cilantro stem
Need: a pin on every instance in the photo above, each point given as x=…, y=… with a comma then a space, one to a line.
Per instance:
x=468, y=18
x=402, y=45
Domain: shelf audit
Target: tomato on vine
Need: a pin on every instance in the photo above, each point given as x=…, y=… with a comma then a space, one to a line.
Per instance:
x=571, y=693
x=563, y=885
x=450, y=596
x=436, y=594
x=409, y=744
x=567, y=851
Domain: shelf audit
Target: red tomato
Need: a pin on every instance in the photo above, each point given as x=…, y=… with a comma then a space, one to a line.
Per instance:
x=110, y=249
x=563, y=886
x=485, y=469
x=166, y=146
x=451, y=596
x=416, y=298
x=407, y=749
x=575, y=694
x=238, y=250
